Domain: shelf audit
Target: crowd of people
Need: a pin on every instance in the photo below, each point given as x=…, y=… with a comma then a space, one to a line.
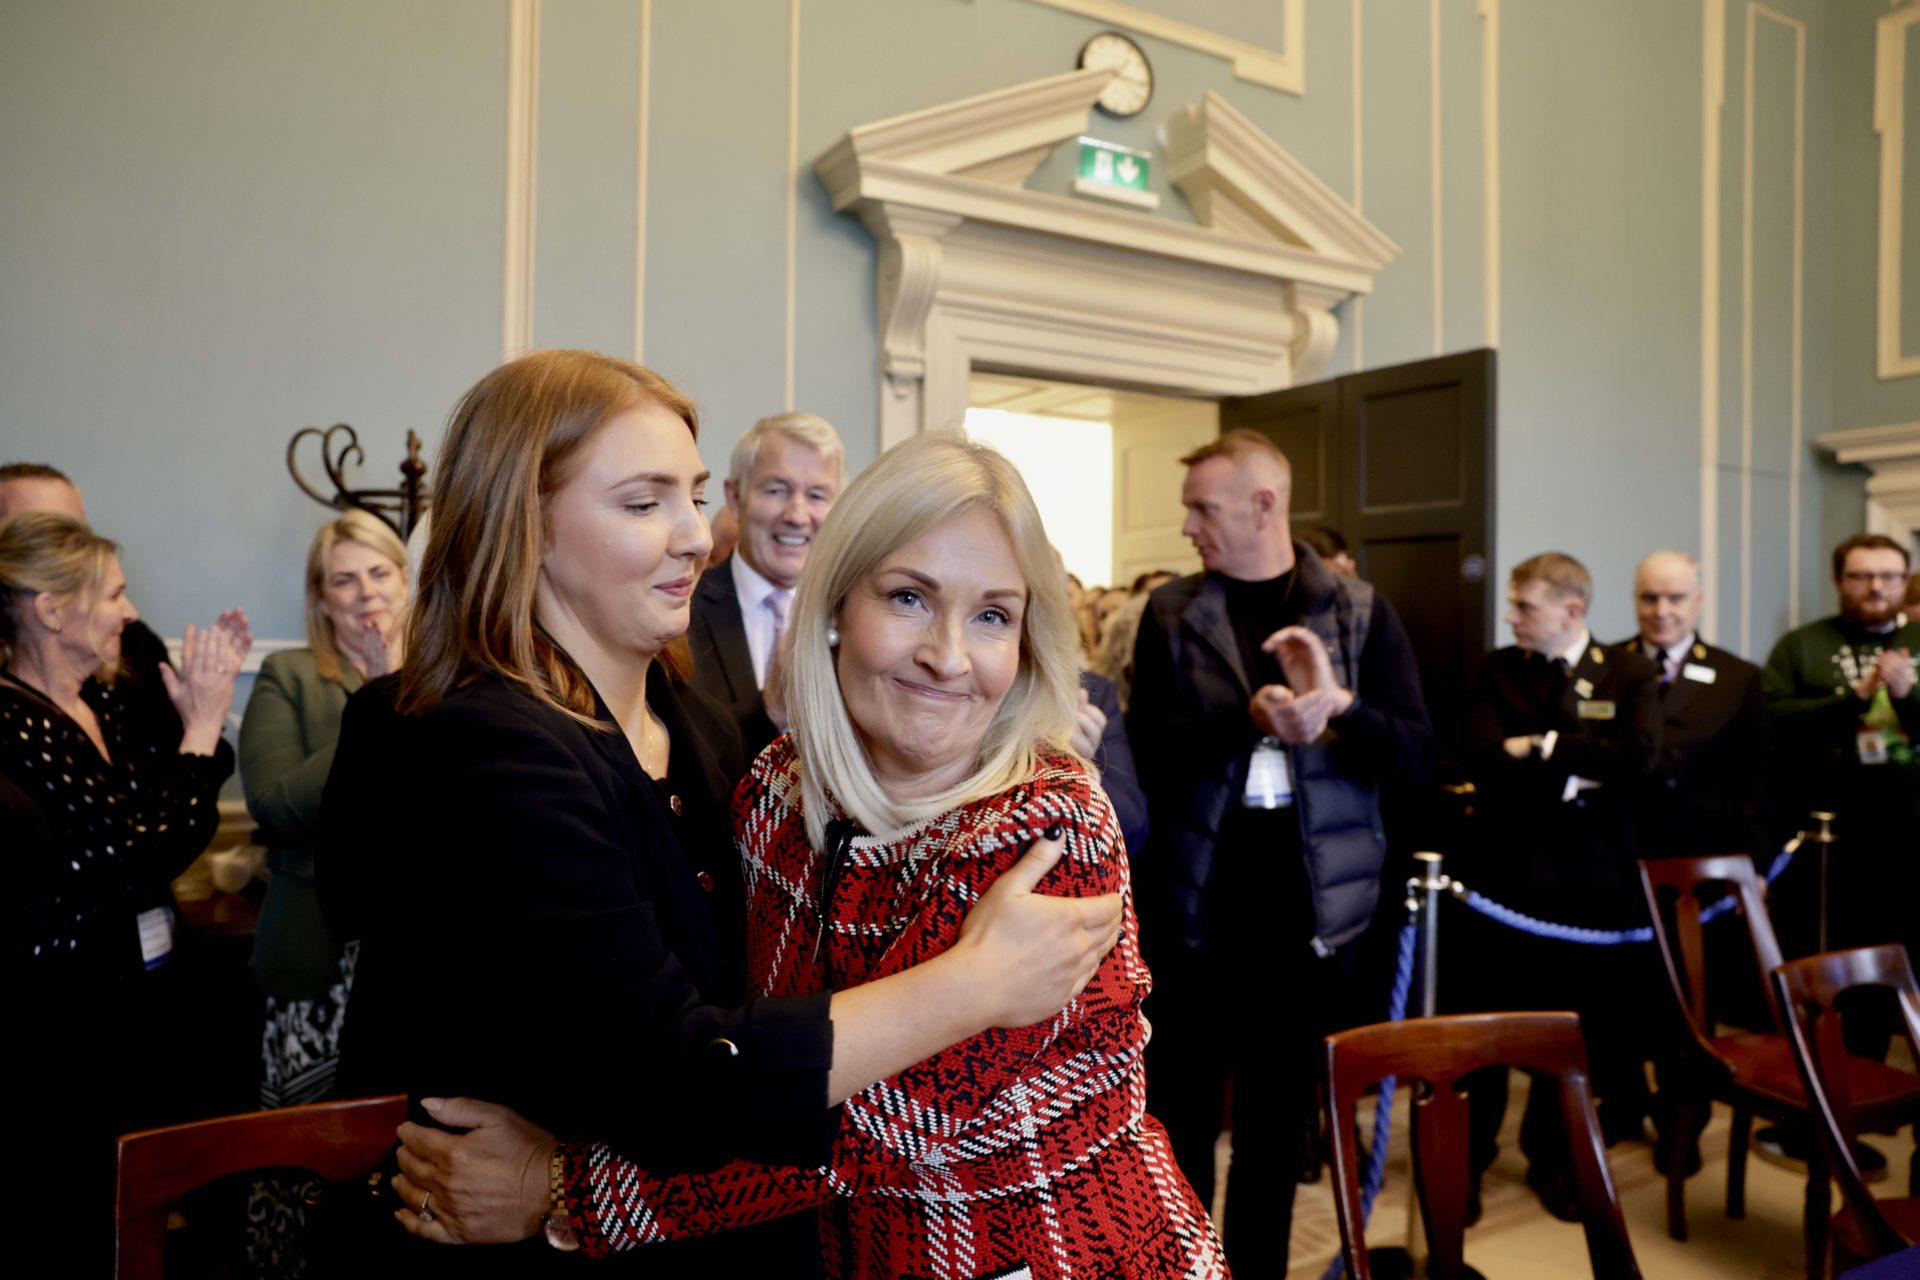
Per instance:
x=804, y=910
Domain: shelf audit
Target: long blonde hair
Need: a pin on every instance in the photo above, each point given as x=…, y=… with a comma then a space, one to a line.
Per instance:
x=45, y=552
x=371, y=532
x=509, y=445
x=914, y=486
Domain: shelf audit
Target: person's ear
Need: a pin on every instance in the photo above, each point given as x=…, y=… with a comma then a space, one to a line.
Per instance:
x=732, y=491
x=1576, y=609
x=49, y=611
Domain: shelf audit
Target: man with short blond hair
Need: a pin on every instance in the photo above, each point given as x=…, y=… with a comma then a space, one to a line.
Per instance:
x=1561, y=735
x=1272, y=699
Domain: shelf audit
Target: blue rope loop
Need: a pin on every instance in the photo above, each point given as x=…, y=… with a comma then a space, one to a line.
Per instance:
x=1403, y=984
x=1606, y=937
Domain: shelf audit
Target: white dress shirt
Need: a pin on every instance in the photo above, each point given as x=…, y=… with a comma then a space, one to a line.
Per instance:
x=755, y=613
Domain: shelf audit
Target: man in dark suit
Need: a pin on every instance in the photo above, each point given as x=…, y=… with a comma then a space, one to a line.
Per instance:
x=1708, y=793
x=1561, y=735
x=785, y=473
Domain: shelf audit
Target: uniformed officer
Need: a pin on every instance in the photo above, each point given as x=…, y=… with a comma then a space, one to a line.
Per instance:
x=1708, y=794
x=1561, y=735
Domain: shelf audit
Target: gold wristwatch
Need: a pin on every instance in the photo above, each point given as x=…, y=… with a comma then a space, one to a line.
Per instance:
x=557, y=1226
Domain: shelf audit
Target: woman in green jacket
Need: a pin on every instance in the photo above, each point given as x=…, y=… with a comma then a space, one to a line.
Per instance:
x=356, y=609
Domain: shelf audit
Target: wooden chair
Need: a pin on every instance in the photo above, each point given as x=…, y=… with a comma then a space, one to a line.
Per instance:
x=1431, y=1054
x=1865, y=1228
x=1751, y=1072
x=339, y=1141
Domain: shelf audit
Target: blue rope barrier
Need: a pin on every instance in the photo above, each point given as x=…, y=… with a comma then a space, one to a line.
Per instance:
x=1383, y=1106
x=1607, y=937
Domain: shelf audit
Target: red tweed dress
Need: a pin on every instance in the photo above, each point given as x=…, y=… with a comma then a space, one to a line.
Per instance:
x=1024, y=1152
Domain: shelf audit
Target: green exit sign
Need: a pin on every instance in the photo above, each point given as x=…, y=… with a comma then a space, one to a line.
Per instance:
x=1112, y=172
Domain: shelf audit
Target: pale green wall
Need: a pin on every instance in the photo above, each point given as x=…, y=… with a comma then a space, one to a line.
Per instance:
x=222, y=220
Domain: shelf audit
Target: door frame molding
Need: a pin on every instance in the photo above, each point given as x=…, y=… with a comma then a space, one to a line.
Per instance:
x=977, y=271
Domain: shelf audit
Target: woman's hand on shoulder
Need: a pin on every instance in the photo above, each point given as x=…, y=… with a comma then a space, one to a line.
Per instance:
x=1030, y=953
x=487, y=1185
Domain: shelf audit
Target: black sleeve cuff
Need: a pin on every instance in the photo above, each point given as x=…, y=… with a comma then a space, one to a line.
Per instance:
x=771, y=1070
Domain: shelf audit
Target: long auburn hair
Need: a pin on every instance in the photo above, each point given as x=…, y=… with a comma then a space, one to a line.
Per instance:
x=510, y=443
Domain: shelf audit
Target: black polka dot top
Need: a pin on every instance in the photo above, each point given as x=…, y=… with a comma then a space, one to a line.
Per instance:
x=116, y=831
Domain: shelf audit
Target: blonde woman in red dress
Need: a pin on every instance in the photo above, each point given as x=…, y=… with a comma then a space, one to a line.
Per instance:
x=931, y=680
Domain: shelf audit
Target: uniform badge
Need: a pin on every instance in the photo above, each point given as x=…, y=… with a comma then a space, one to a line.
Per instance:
x=1595, y=709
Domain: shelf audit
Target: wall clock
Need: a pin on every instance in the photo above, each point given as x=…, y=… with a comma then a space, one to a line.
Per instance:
x=1131, y=90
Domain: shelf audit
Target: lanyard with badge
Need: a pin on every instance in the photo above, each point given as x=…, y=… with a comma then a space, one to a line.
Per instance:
x=1269, y=779
x=1879, y=738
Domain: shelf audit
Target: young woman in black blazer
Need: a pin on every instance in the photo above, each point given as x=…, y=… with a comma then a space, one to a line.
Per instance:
x=527, y=830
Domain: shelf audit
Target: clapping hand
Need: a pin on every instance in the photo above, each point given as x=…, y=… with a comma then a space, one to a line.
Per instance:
x=1089, y=725
x=233, y=623
x=376, y=646
x=1298, y=711
x=202, y=689
x=1894, y=669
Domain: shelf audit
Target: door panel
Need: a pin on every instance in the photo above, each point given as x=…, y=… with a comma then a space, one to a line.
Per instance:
x=1400, y=461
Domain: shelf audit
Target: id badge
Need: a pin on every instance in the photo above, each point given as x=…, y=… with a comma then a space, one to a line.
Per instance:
x=156, y=935
x=1872, y=745
x=1269, y=782
x=1595, y=709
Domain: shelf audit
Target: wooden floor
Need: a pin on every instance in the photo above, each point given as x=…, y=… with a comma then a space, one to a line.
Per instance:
x=1517, y=1240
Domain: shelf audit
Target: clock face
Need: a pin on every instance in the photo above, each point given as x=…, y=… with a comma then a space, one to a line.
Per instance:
x=1130, y=90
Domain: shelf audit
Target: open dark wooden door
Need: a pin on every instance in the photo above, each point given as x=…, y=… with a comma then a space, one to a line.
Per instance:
x=1400, y=461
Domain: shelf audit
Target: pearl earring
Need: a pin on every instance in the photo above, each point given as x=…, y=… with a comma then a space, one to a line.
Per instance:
x=833, y=637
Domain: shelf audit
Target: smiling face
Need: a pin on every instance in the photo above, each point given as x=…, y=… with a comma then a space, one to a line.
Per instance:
x=625, y=537
x=929, y=645
x=1666, y=599
x=781, y=504
x=1873, y=581
x=361, y=587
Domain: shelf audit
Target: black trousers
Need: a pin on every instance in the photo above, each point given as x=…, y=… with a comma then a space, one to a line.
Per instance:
x=1250, y=1008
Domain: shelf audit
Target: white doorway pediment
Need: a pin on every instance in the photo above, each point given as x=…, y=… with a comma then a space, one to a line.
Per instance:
x=977, y=271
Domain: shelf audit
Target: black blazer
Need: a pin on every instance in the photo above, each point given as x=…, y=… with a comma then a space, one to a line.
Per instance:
x=1562, y=855
x=1708, y=794
x=722, y=662
x=533, y=933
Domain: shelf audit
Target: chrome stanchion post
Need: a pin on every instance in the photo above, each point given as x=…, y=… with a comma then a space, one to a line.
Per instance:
x=1825, y=839
x=1423, y=897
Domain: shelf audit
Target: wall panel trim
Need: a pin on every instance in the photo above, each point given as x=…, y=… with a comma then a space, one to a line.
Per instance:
x=1889, y=120
x=523, y=133
x=644, y=96
x=1713, y=96
x=1489, y=12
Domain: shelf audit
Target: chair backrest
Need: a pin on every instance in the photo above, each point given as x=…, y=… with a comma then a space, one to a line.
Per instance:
x=1432, y=1054
x=1675, y=888
x=1808, y=989
x=339, y=1141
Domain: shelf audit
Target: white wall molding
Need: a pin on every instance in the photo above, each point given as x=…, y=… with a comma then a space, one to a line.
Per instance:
x=1892, y=454
x=1489, y=13
x=793, y=185
x=1359, y=183
x=1433, y=164
x=523, y=132
x=1889, y=120
x=250, y=666
x=1755, y=14
x=1283, y=68
x=976, y=271
x=644, y=95
x=1713, y=97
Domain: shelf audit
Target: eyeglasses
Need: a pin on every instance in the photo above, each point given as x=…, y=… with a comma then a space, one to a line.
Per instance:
x=1891, y=576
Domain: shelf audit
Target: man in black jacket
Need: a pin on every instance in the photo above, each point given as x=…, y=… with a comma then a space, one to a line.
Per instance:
x=1561, y=735
x=1708, y=794
x=1271, y=699
x=785, y=473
